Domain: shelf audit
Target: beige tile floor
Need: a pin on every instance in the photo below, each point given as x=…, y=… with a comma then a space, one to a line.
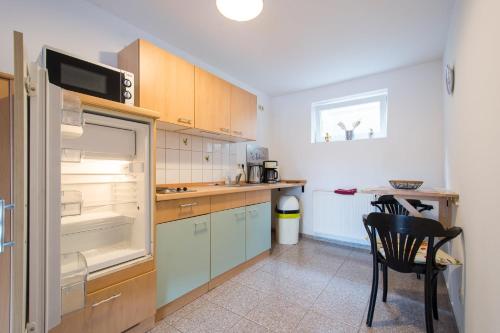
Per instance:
x=309, y=287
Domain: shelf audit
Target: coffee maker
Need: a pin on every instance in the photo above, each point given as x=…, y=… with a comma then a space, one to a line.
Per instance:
x=271, y=174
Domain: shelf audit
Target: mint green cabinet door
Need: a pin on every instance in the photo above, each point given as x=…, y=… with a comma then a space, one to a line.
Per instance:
x=182, y=257
x=258, y=229
x=228, y=240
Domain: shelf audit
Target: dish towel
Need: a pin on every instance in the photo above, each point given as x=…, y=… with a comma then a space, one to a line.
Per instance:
x=346, y=192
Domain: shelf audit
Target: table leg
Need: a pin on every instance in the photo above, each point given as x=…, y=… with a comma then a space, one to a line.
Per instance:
x=408, y=206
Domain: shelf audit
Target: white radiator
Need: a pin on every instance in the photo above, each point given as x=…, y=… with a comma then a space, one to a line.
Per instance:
x=339, y=217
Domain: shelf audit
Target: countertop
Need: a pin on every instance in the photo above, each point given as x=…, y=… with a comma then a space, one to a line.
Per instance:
x=209, y=190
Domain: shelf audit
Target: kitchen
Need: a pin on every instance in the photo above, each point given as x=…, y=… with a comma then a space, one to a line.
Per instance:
x=164, y=201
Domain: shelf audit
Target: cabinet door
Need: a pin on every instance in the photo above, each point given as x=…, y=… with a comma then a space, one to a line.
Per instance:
x=228, y=240
x=164, y=82
x=258, y=229
x=212, y=103
x=182, y=257
x=243, y=113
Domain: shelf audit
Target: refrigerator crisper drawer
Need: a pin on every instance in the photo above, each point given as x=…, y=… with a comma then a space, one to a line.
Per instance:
x=102, y=141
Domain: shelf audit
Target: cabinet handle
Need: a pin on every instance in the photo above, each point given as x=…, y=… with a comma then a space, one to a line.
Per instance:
x=191, y=204
x=238, y=132
x=184, y=121
x=253, y=213
x=239, y=216
x=198, y=224
x=107, y=300
x=225, y=130
x=3, y=207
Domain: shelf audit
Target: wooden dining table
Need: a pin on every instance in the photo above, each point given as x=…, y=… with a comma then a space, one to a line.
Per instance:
x=446, y=200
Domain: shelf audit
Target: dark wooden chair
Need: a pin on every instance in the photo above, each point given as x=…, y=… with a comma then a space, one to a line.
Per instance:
x=401, y=237
x=387, y=204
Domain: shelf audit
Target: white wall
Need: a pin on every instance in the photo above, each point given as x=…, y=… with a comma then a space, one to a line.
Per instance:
x=412, y=150
x=472, y=136
x=86, y=30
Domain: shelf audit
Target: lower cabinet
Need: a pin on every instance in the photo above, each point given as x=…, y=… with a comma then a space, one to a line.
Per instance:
x=182, y=257
x=228, y=240
x=258, y=229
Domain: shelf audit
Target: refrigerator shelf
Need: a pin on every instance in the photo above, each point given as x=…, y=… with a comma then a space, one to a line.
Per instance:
x=109, y=203
x=93, y=221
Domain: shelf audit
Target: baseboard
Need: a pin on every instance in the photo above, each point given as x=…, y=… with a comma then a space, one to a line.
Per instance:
x=336, y=242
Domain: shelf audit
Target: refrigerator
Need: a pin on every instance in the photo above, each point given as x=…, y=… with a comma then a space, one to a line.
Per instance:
x=90, y=197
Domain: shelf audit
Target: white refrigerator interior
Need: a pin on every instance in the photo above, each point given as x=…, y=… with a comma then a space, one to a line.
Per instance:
x=90, y=181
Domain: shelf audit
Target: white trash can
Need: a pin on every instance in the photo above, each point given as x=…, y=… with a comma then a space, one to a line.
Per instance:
x=288, y=215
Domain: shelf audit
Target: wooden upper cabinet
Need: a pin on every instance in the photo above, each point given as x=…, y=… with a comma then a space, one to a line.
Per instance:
x=243, y=114
x=163, y=82
x=212, y=103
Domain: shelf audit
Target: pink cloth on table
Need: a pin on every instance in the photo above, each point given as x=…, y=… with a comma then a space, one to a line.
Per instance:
x=346, y=191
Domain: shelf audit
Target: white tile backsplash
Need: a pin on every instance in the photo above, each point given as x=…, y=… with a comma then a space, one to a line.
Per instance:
x=197, y=160
x=184, y=142
x=196, y=143
x=207, y=145
x=181, y=158
x=171, y=140
x=172, y=159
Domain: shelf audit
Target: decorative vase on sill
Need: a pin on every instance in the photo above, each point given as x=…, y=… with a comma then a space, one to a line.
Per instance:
x=349, y=134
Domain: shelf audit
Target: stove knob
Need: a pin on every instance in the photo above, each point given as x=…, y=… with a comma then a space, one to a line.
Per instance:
x=178, y=189
x=127, y=95
x=127, y=83
x=184, y=189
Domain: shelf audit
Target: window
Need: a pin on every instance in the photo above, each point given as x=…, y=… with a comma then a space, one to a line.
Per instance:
x=356, y=117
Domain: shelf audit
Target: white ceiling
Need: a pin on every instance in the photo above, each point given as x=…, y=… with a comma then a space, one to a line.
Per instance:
x=297, y=44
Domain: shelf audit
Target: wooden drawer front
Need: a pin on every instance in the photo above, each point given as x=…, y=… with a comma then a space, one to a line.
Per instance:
x=227, y=201
x=121, y=306
x=255, y=197
x=172, y=210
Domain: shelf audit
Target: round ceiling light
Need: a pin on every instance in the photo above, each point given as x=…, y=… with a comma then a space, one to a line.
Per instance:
x=240, y=10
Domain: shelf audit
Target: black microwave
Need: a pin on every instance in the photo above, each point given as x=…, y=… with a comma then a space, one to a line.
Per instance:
x=75, y=74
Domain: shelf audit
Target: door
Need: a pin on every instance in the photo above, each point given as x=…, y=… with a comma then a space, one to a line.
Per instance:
x=243, y=113
x=182, y=257
x=228, y=240
x=212, y=103
x=258, y=229
x=6, y=104
x=12, y=193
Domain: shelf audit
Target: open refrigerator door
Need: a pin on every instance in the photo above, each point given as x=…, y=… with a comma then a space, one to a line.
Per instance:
x=90, y=177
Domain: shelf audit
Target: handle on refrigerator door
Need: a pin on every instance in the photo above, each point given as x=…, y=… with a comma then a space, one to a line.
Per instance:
x=3, y=207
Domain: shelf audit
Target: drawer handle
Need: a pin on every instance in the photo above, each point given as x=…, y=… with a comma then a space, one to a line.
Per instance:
x=106, y=300
x=199, y=224
x=225, y=130
x=184, y=121
x=238, y=132
x=191, y=204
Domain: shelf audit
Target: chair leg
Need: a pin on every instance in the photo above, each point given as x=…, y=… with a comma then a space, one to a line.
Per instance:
x=434, y=298
x=428, y=303
x=418, y=276
x=385, y=275
x=373, y=296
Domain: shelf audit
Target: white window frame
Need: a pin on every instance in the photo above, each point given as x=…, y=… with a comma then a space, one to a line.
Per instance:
x=381, y=96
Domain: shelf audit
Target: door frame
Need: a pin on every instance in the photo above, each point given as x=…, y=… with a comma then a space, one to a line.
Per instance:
x=19, y=186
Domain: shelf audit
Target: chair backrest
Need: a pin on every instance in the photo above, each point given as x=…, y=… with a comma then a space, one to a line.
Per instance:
x=401, y=237
x=387, y=204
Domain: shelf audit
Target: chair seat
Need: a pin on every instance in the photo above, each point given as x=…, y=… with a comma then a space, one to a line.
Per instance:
x=442, y=258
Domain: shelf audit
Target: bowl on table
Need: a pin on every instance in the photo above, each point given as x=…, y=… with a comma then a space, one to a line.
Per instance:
x=405, y=184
